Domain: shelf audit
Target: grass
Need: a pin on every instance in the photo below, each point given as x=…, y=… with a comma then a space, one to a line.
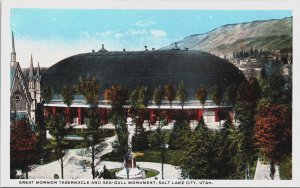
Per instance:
x=76, y=144
x=149, y=173
x=285, y=169
x=78, y=132
x=252, y=169
x=171, y=157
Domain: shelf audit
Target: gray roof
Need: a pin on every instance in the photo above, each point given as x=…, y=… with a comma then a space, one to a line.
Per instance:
x=144, y=68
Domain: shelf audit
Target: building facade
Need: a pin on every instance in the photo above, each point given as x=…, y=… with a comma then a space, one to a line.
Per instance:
x=147, y=68
x=25, y=92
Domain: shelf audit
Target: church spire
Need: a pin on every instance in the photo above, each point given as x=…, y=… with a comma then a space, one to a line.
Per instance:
x=30, y=76
x=37, y=75
x=13, y=52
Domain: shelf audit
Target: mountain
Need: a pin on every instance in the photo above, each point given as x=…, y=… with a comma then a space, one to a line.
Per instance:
x=267, y=34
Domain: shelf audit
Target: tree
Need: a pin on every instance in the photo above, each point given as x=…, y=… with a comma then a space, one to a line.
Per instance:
x=56, y=125
x=93, y=136
x=67, y=94
x=89, y=88
x=139, y=140
x=201, y=95
x=230, y=95
x=23, y=146
x=40, y=129
x=273, y=133
x=181, y=132
x=170, y=93
x=143, y=97
x=116, y=96
x=93, y=139
x=181, y=94
x=207, y=156
x=216, y=96
x=47, y=94
x=245, y=113
x=158, y=96
x=134, y=97
x=201, y=125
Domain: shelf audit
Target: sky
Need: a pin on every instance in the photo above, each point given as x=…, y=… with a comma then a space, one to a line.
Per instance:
x=51, y=35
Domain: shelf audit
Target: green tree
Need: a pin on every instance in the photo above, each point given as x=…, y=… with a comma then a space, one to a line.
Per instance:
x=67, y=94
x=133, y=98
x=23, y=146
x=93, y=136
x=116, y=96
x=89, y=88
x=207, y=156
x=139, y=140
x=56, y=125
x=216, y=96
x=230, y=95
x=181, y=94
x=143, y=97
x=245, y=114
x=40, y=129
x=201, y=95
x=47, y=94
x=170, y=93
x=181, y=132
x=158, y=96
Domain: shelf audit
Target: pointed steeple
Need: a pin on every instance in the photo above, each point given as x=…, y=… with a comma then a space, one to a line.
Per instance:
x=31, y=76
x=37, y=75
x=13, y=52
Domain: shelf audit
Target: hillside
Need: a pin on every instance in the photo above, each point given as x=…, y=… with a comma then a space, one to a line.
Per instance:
x=267, y=34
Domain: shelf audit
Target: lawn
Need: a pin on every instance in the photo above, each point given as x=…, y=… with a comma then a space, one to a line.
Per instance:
x=149, y=173
x=76, y=144
x=285, y=170
x=252, y=169
x=78, y=132
x=171, y=157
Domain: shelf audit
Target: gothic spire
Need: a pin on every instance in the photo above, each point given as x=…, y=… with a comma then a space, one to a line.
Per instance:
x=37, y=75
x=30, y=76
x=13, y=52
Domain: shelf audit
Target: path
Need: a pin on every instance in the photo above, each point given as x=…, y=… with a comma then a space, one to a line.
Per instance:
x=73, y=170
x=262, y=172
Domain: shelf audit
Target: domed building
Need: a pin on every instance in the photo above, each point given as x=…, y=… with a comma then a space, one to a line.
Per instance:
x=133, y=69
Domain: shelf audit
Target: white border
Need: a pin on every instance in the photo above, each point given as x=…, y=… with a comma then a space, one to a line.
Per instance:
x=293, y=5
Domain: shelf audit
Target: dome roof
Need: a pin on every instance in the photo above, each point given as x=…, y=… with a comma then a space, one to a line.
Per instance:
x=144, y=68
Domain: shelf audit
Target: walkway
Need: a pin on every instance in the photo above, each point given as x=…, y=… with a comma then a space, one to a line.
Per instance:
x=74, y=169
x=262, y=172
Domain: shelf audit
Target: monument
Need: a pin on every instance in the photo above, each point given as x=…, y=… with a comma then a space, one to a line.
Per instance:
x=130, y=170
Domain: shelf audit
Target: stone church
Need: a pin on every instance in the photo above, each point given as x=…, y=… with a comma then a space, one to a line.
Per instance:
x=25, y=92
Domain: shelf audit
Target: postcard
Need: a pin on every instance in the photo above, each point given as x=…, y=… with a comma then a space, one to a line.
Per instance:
x=149, y=93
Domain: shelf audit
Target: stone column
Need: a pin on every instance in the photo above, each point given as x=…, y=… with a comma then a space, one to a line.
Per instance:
x=199, y=114
x=68, y=115
x=217, y=115
x=53, y=110
x=79, y=115
x=152, y=116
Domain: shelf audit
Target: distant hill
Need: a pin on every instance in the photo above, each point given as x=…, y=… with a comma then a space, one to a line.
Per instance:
x=268, y=34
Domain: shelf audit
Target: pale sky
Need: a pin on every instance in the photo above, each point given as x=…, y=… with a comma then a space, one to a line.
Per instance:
x=54, y=34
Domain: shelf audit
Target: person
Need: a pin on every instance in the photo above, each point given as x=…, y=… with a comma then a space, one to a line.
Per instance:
x=56, y=176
